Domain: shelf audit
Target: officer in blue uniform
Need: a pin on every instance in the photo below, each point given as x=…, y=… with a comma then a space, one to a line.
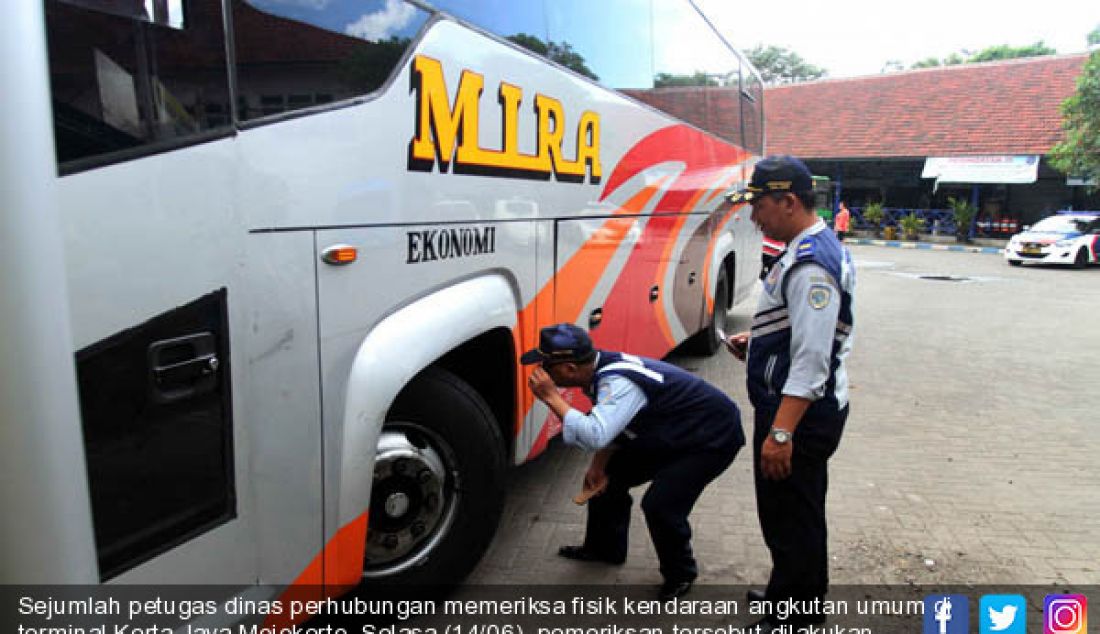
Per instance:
x=650, y=422
x=797, y=377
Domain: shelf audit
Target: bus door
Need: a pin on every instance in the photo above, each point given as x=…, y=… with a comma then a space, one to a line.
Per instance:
x=594, y=287
x=675, y=250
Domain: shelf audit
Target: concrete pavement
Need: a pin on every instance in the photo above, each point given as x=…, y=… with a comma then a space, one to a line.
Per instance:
x=969, y=456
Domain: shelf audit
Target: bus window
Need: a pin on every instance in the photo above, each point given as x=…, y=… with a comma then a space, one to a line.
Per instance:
x=124, y=82
x=593, y=35
x=523, y=23
x=697, y=83
x=161, y=12
x=752, y=112
x=297, y=55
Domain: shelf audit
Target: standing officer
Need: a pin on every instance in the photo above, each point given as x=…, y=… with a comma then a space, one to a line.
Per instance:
x=797, y=377
x=651, y=421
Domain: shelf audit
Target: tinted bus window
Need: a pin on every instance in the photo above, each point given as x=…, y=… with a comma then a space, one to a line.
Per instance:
x=124, y=81
x=612, y=39
x=698, y=82
x=297, y=55
x=505, y=18
x=752, y=106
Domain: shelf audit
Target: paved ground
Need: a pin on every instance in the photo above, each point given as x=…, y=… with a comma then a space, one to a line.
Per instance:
x=970, y=455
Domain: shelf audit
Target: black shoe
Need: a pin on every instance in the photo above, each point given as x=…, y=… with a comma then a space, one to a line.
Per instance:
x=580, y=553
x=673, y=590
x=755, y=595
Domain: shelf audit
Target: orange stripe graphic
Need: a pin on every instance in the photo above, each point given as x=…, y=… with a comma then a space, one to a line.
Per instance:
x=334, y=571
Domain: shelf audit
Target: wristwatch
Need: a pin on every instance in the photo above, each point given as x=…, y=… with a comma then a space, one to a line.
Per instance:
x=780, y=436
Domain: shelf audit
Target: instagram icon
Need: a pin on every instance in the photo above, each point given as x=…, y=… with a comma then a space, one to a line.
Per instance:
x=1065, y=614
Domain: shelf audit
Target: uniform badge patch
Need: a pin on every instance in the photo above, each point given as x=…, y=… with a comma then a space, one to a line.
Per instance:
x=773, y=277
x=820, y=295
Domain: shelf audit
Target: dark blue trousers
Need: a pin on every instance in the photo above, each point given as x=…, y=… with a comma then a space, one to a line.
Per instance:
x=792, y=511
x=676, y=481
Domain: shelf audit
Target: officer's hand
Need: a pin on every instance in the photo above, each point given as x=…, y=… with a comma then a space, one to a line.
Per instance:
x=541, y=384
x=738, y=344
x=775, y=459
x=595, y=480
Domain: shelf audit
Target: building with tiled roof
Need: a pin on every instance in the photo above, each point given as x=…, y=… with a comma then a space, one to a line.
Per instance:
x=871, y=135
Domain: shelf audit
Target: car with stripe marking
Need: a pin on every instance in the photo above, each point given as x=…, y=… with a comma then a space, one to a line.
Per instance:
x=1067, y=237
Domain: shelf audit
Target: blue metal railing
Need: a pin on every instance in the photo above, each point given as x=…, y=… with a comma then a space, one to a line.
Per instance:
x=940, y=221
x=936, y=221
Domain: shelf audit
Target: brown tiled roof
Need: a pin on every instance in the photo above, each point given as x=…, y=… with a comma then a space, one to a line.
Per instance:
x=1006, y=107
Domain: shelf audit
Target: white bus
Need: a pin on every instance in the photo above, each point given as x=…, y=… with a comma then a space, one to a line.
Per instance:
x=305, y=242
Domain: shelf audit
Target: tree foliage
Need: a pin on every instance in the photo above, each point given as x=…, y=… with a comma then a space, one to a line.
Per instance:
x=562, y=53
x=778, y=65
x=1094, y=36
x=1079, y=152
x=367, y=68
x=665, y=80
x=988, y=54
x=1005, y=51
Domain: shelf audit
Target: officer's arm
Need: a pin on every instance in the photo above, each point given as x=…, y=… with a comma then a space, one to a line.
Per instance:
x=617, y=402
x=813, y=302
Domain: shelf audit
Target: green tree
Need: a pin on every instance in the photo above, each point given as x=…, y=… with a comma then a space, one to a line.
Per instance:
x=370, y=63
x=778, y=65
x=665, y=80
x=1079, y=152
x=1004, y=51
x=1094, y=37
x=988, y=54
x=562, y=53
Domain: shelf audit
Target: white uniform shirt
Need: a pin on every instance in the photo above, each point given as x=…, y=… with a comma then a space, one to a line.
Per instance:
x=618, y=401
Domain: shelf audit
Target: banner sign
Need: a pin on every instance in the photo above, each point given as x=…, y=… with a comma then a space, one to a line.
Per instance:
x=982, y=169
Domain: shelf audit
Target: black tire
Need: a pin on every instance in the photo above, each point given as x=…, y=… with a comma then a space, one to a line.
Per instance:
x=1082, y=259
x=440, y=439
x=1015, y=262
x=707, y=341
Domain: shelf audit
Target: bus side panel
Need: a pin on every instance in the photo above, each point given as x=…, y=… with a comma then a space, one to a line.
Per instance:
x=284, y=402
x=144, y=238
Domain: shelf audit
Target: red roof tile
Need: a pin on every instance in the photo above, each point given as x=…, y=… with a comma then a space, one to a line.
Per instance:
x=1006, y=107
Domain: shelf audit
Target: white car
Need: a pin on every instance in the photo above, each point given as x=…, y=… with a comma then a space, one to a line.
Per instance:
x=1068, y=237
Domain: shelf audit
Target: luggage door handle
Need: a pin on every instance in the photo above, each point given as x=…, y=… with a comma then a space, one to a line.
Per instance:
x=183, y=367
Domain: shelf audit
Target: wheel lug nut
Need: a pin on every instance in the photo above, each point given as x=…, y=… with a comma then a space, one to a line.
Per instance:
x=390, y=542
x=417, y=529
x=400, y=467
x=425, y=476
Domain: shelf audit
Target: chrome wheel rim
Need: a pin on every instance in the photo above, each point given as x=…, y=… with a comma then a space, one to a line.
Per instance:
x=414, y=497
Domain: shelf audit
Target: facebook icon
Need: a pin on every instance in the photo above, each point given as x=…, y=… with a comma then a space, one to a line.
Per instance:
x=946, y=614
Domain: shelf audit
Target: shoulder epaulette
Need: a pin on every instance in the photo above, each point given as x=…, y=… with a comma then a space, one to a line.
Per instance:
x=805, y=248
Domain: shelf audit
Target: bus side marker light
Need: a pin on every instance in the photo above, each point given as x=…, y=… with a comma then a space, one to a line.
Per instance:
x=339, y=254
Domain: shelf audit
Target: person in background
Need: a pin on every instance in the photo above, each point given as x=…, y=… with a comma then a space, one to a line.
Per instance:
x=842, y=221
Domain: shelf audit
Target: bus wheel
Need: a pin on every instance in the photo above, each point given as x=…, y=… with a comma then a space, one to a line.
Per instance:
x=707, y=341
x=438, y=484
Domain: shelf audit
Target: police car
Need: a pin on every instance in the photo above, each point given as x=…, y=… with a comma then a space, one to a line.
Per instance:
x=1067, y=237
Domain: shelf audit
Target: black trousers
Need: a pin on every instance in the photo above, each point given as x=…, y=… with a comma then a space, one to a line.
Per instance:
x=676, y=483
x=792, y=511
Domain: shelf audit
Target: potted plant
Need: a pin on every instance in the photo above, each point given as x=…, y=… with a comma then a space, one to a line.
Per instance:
x=911, y=226
x=873, y=215
x=964, y=214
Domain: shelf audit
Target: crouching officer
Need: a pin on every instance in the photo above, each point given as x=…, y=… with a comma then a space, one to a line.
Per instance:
x=797, y=377
x=650, y=422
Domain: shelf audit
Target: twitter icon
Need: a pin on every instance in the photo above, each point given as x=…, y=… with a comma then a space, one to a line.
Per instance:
x=1003, y=614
